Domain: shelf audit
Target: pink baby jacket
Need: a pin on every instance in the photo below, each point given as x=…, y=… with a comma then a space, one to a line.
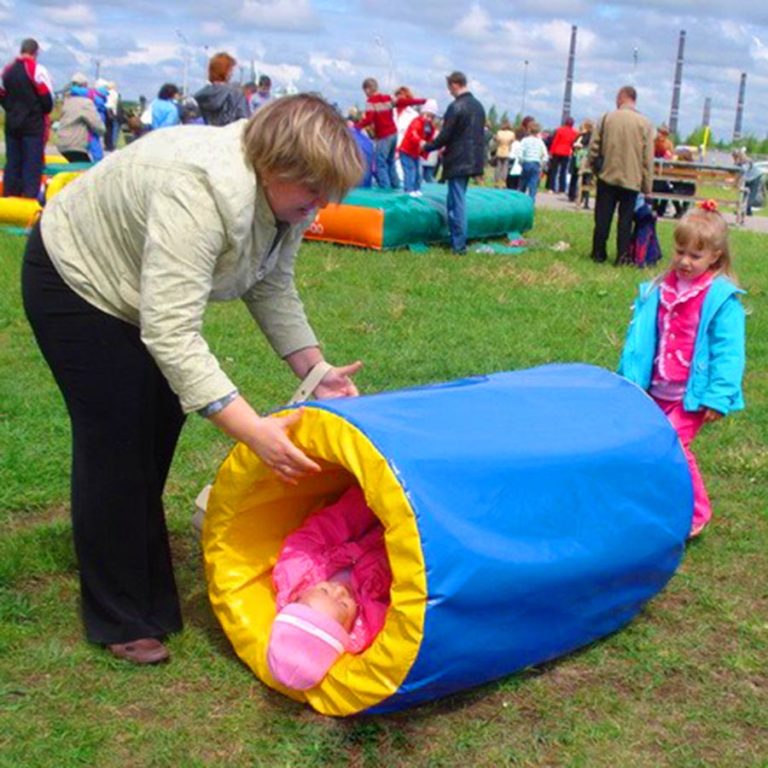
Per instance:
x=343, y=538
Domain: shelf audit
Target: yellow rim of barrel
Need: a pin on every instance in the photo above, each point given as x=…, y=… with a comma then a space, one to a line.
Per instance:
x=249, y=514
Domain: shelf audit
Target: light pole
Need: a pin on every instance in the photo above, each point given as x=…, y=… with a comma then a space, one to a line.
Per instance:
x=98, y=69
x=634, y=63
x=390, y=63
x=185, y=43
x=525, y=87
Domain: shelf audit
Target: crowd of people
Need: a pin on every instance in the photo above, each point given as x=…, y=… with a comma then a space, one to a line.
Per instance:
x=398, y=136
x=219, y=214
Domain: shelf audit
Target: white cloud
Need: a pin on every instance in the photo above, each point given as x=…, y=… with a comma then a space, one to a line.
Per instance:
x=585, y=90
x=758, y=50
x=476, y=25
x=281, y=74
x=89, y=40
x=441, y=62
x=731, y=30
x=71, y=16
x=558, y=32
x=279, y=14
x=213, y=29
x=328, y=68
x=149, y=53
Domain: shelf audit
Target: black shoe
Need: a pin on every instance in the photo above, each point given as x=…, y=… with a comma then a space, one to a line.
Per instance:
x=598, y=260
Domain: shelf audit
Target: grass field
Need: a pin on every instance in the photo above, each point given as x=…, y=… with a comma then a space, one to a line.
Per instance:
x=683, y=685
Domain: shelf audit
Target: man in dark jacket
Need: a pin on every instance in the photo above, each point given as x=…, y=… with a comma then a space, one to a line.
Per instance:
x=26, y=94
x=462, y=136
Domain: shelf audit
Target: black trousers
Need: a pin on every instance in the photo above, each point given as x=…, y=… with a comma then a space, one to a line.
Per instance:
x=125, y=424
x=608, y=197
x=24, y=156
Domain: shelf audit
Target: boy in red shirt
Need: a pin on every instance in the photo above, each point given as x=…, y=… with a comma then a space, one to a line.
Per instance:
x=379, y=113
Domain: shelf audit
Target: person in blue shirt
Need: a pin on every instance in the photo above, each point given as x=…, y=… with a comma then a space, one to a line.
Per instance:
x=164, y=109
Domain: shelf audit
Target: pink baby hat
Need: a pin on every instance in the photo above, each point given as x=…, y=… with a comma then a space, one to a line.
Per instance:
x=303, y=645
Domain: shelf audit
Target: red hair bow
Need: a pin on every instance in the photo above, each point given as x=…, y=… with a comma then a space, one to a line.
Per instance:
x=708, y=205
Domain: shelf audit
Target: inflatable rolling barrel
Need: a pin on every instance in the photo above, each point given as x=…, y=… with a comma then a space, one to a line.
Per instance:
x=526, y=514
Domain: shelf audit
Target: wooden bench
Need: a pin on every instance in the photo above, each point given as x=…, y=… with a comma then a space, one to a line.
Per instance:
x=697, y=175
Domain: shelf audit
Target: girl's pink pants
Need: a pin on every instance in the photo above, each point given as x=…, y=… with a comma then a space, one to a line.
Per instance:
x=687, y=424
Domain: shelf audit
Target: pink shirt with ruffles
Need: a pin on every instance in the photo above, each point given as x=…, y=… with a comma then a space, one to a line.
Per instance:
x=680, y=303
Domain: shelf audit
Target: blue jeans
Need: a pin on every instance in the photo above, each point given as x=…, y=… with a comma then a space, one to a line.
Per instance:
x=411, y=180
x=529, y=179
x=386, y=175
x=23, y=165
x=429, y=173
x=457, y=212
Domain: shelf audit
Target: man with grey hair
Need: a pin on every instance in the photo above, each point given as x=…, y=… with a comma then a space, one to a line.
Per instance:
x=462, y=135
x=621, y=155
x=26, y=94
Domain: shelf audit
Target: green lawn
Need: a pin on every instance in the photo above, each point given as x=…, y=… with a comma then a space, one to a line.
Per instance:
x=683, y=685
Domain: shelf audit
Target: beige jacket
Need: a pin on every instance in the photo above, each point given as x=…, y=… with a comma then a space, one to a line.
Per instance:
x=626, y=145
x=156, y=230
x=78, y=118
x=504, y=139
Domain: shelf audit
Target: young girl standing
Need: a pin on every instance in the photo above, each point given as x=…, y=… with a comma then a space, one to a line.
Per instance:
x=685, y=344
x=533, y=157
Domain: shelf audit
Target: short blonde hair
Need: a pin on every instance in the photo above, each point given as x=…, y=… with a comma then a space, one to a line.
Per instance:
x=303, y=139
x=702, y=229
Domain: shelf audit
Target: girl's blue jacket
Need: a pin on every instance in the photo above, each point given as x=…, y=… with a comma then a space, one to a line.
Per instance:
x=717, y=368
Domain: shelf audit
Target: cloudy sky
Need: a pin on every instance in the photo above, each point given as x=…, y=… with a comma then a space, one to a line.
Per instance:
x=331, y=45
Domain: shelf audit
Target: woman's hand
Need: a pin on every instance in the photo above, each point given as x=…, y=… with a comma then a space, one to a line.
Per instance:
x=268, y=437
x=338, y=383
x=270, y=441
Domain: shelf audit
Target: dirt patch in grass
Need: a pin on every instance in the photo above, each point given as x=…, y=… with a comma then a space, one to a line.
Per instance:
x=557, y=274
x=25, y=519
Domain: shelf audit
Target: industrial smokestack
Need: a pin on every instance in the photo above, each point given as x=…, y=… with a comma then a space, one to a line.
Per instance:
x=706, y=117
x=673, y=112
x=569, y=77
x=740, y=107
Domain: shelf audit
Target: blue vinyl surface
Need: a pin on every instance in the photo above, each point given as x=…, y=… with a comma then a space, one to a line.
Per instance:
x=552, y=503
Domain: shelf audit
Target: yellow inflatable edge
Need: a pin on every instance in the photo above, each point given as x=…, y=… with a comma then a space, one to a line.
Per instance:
x=249, y=514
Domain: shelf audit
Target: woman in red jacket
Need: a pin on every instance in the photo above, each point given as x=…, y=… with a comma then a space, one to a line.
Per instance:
x=560, y=152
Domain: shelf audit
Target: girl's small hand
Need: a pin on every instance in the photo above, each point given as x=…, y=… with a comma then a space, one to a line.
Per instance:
x=711, y=415
x=338, y=383
x=270, y=441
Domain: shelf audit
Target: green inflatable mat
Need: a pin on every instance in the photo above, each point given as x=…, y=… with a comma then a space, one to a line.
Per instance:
x=414, y=220
x=51, y=169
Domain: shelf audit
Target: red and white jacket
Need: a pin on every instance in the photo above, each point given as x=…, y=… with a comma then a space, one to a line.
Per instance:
x=379, y=112
x=420, y=129
x=26, y=94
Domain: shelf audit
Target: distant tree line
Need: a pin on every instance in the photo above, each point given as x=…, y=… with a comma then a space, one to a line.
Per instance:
x=754, y=145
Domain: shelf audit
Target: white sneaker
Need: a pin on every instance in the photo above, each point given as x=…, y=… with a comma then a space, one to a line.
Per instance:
x=201, y=504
